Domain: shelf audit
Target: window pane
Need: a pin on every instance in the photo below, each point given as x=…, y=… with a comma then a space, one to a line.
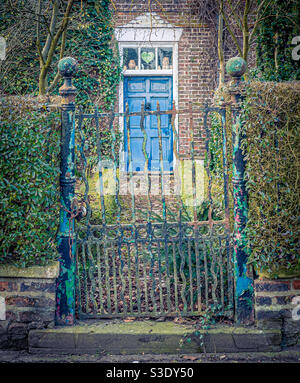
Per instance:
x=130, y=58
x=147, y=58
x=165, y=58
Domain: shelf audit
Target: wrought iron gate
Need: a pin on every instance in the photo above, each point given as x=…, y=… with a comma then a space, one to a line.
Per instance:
x=162, y=251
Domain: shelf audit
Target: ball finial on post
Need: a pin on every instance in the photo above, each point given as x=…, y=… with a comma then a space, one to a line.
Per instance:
x=67, y=67
x=236, y=67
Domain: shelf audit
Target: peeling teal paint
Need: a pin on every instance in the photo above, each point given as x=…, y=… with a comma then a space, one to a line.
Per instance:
x=244, y=292
x=65, y=291
x=242, y=285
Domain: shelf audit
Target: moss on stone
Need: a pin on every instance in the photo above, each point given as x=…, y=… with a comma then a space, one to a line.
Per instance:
x=50, y=271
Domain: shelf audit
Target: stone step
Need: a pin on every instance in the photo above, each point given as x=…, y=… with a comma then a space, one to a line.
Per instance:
x=116, y=337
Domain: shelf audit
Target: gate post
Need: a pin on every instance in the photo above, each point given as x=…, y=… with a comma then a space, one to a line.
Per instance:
x=65, y=288
x=244, y=292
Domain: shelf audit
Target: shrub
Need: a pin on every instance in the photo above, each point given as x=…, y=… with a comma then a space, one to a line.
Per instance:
x=28, y=183
x=272, y=121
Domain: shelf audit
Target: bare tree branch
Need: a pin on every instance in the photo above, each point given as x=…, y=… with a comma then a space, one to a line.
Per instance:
x=61, y=55
x=38, y=33
x=53, y=46
x=51, y=29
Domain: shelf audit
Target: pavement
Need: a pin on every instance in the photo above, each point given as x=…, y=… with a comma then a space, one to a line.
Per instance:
x=291, y=355
x=117, y=342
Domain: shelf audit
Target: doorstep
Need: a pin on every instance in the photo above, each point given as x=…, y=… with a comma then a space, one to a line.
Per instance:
x=116, y=337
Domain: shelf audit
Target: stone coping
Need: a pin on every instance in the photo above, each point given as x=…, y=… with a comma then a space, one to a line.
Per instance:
x=43, y=272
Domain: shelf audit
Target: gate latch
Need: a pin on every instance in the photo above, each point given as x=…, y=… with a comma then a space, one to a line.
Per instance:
x=148, y=106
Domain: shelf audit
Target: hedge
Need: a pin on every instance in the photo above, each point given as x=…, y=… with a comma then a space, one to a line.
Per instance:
x=29, y=162
x=272, y=122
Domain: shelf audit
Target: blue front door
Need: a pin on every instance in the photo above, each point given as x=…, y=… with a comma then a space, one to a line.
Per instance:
x=148, y=90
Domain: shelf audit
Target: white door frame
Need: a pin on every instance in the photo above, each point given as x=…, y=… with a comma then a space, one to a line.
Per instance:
x=148, y=30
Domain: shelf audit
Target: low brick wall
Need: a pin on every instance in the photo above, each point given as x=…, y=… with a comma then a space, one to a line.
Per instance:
x=29, y=295
x=274, y=307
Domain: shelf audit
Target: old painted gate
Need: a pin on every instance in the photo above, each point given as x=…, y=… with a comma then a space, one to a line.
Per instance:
x=145, y=249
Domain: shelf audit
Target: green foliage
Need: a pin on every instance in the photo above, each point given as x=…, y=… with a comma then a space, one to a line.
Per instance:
x=279, y=25
x=218, y=150
x=215, y=145
x=272, y=122
x=88, y=39
x=19, y=71
x=28, y=184
x=90, y=42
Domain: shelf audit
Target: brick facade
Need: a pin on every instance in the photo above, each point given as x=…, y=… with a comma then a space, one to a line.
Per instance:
x=29, y=296
x=197, y=72
x=274, y=307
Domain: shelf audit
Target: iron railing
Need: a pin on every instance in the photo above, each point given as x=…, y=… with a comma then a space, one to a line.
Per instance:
x=156, y=256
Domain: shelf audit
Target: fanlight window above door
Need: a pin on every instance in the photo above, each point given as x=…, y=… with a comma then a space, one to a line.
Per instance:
x=145, y=58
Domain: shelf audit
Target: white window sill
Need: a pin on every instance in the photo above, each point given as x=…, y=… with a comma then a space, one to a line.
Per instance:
x=153, y=72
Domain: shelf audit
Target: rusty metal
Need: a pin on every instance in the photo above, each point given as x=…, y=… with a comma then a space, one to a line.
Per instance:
x=244, y=291
x=65, y=292
x=165, y=264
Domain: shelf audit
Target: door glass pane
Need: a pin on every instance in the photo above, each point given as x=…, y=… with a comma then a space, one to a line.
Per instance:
x=130, y=58
x=165, y=58
x=147, y=58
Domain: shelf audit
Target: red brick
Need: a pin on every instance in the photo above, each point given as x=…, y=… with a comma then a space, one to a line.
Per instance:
x=19, y=301
x=22, y=301
x=8, y=286
x=296, y=285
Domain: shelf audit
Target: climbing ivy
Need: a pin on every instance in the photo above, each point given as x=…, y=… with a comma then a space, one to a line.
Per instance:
x=90, y=42
x=99, y=72
x=280, y=23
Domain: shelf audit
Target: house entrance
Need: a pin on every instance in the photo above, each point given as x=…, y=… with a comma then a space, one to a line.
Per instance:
x=148, y=91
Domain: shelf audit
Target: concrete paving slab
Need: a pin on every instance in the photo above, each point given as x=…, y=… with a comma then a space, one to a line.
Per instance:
x=142, y=337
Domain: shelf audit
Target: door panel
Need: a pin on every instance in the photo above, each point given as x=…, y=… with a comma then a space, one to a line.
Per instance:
x=134, y=105
x=136, y=85
x=148, y=90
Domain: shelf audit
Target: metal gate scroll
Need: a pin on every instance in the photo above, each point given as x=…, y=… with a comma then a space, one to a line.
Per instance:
x=155, y=255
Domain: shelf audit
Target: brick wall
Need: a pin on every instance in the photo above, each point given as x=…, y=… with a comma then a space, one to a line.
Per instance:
x=273, y=307
x=29, y=302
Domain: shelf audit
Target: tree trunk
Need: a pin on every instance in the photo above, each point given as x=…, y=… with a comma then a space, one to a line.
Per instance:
x=43, y=81
x=221, y=50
